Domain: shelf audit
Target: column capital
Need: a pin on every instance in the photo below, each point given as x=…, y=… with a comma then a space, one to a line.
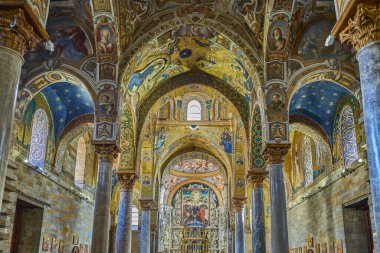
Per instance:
x=256, y=178
x=274, y=152
x=239, y=203
x=16, y=32
x=126, y=179
x=106, y=151
x=364, y=27
x=146, y=204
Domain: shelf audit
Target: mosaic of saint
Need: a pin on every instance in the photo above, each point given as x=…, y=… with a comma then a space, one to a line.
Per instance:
x=197, y=166
x=190, y=47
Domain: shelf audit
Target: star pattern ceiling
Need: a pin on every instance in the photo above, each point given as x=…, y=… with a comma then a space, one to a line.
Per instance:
x=319, y=101
x=67, y=101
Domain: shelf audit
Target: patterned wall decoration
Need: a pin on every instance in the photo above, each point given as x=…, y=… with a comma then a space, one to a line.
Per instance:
x=258, y=160
x=318, y=101
x=348, y=135
x=68, y=101
x=39, y=138
x=127, y=140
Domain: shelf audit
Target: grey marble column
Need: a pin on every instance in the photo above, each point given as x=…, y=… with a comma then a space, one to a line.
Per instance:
x=279, y=223
x=112, y=245
x=258, y=214
x=145, y=235
x=239, y=204
x=369, y=65
x=124, y=224
x=100, y=230
x=10, y=68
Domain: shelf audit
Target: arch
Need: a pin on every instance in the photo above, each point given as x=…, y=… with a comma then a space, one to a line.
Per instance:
x=193, y=76
x=80, y=163
x=201, y=181
x=194, y=110
x=348, y=135
x=38, y=141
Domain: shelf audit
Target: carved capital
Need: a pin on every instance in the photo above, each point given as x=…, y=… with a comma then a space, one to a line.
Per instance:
x=239, y=203
x=275, y=153
x=16, y=32
x=256, y=178
x=364, y=27
x=107, y=152
x=146, y=204
x=126, y=180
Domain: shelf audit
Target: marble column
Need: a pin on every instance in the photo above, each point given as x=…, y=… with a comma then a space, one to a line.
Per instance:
x=112, y=245
x=153, y=229
x=146, y=205
x=274, y=155
x=13, y=43
x=258, y=214
x=363, y=32
x=239, y=204
x=100, y=231
x=124, y=224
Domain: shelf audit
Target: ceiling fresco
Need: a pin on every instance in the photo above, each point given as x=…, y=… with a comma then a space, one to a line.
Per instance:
x=319, y=101
x=196, y=166
x=190, y=47
x=67, y=102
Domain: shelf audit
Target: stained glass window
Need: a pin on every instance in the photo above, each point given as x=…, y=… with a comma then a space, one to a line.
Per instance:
x=307, y=160
x=80, y=162
x=348, y=135
x=194, y=110
x=38, y=140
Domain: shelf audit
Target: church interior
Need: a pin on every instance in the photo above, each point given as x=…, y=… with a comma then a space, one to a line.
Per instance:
x=189, y=126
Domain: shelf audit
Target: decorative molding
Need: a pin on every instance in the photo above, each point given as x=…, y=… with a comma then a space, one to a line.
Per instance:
x=16, y=32
x=274, y=153
x=239, y=204
x=364, y=27
x=256, y=178
x=107, y=152
x=126, y=179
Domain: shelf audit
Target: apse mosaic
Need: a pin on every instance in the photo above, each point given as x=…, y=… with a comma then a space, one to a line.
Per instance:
x=189, y=47
x=319, y=101
x=67, y=102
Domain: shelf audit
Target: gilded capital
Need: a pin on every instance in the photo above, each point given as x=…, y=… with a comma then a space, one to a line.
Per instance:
x=275, y=153
x=146, y=204
x=256, y=178
x=364, y=27
x=126, y=180
x=239, y=203
x=107, y=152
x=16, y=32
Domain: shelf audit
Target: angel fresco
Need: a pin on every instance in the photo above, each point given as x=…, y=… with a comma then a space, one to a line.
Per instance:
x=227, y=141
x=160, y=141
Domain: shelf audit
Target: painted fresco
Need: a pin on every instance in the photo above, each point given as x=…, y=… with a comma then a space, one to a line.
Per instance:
x=40, y=9
x=196, y=166
x=195, y=206
x=70, y=40
x=189, y=47
x=227, y=141
x=312, y=43
x=105, y=37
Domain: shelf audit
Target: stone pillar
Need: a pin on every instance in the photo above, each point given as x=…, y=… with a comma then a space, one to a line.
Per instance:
x=258, y=214
x=363, y=32
x=100, y=231
x=16, y=36
x=274, y=155
x=124, y=224
x=239, y=204
x=112, y=246
x=146, y=205
x=153, y=229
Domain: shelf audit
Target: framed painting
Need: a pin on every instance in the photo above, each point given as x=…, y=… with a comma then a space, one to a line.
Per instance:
x=61, y=246
x=195, y=206
x=46, y=242
x=75, y=239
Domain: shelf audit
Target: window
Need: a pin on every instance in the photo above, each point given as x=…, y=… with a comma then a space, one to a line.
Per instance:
x=80, y=162
x=194, y=110
x=135, y=218
x=308, y=161
x=348, y=135
x=38, y=139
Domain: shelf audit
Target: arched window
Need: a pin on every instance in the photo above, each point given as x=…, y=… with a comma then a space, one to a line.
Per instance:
x=80, y=162
x=348, y=135
x=38, y=139
x=307, y=161
x=135, y=218
x=194, y=110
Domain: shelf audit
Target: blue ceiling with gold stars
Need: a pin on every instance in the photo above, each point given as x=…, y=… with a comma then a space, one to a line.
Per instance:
x=67, y=101
x=319, y=101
